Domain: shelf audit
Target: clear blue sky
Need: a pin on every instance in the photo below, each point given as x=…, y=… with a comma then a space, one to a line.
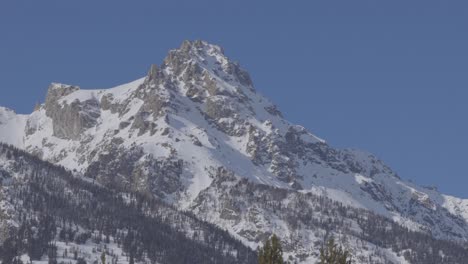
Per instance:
x=390, y=77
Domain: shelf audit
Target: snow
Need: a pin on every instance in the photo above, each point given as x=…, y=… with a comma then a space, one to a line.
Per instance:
x=218, y=149
x=361, y=179
x=375, y=188
x=12, y=127
x=90, y=252
x=119, y=93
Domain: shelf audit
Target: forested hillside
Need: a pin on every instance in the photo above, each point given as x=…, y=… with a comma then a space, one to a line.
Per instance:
x=44, y=206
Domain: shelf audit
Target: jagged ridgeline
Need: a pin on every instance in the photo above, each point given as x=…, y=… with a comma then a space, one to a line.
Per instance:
x=195, y=134
x=46, y=211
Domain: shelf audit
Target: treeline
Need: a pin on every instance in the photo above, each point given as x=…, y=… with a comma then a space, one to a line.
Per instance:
x=53, y=204
x=50, y=204
x=322, y=214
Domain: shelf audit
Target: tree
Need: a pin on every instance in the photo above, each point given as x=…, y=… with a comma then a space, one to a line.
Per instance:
x=331, y=253
x=271, y=253
x=52, y=254
x=103, y=258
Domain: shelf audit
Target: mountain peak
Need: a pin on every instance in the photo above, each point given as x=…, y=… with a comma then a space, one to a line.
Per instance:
x=201, y=45
x=62, y=86
x=199, y=57
x=195, y=134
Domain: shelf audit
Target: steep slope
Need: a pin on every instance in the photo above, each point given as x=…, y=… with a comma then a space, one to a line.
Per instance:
x=175, y=132
x=12, y=127
x=47, y=213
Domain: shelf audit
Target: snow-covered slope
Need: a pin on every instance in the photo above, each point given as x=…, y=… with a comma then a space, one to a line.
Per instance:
x=48, y=215
x=171, y=132
x=11, y=127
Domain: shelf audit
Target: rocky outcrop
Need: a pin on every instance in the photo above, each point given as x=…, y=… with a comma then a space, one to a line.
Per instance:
x=107, y=103
x=57, y=91
x=70, y=119
x=219, y=107
x=164, y=134
x=243, y=77
x=132, y=169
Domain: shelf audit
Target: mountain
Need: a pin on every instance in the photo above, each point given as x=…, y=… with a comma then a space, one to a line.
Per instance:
x=46, y=210
x=195, y=134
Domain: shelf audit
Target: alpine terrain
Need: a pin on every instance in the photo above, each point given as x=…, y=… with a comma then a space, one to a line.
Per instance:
x=190, y=164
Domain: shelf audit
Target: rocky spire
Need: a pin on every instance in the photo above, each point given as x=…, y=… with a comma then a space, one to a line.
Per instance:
x=72, y=118
x=57, y=91
x=197, y=57
x=155, y=75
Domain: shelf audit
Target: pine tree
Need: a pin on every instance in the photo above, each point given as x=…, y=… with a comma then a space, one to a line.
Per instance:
x=331, y=253
x=103, y=258
x=52, y=253
x=132, y=260
x=272, y=252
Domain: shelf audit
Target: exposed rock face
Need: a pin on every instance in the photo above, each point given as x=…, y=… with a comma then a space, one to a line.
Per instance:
x=132, y=169
x=219, y=107
x=195, y=132
x=57, y=91
x=39, y=201
x=107, y=104
x=272, y=109
x=70, y=119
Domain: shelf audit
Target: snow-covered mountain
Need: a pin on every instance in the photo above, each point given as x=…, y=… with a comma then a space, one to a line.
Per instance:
x=48, y=215
x=195, y=133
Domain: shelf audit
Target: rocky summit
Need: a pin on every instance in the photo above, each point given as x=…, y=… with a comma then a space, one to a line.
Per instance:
x=195, y=134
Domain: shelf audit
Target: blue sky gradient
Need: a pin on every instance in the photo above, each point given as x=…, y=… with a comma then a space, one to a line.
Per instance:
x=389, y=77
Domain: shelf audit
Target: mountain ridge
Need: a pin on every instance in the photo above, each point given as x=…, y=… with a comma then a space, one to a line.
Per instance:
x=197, y=118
